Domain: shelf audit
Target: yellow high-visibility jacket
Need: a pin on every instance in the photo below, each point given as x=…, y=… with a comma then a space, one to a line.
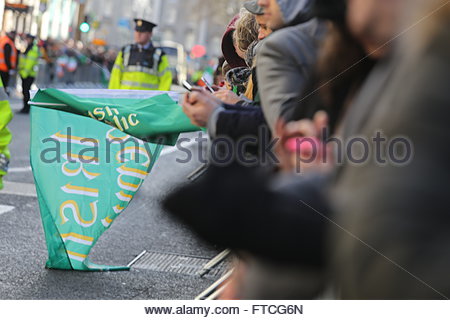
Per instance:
x=28, y=63
x=5, y=117
x=138, y=68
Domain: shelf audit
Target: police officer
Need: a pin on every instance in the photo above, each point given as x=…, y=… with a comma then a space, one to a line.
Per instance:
x=141, y=66
x=28, y=64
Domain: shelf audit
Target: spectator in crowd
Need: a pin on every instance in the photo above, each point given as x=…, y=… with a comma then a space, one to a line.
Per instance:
x=52, y=50
x=368, y=230
x=219, y=78
x=238, y=121
x=287, y=57
x=245, y=35
x=398, y=210
x=67, y=65
x=251, y=19
x=228, y=46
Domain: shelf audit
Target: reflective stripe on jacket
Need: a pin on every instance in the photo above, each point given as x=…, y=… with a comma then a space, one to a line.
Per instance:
x=3, y=42
x=139, y=77
x=5, y=117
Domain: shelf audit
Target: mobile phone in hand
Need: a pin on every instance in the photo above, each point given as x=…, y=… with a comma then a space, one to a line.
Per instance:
x=208, y=86
x=187, y=86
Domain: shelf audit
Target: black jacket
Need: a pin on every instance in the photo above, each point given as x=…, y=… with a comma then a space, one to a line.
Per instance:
x=244, y=209
x=239, y=121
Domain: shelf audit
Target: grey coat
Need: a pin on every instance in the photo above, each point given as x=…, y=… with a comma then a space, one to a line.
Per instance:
x=285, y=62
x=399, y=247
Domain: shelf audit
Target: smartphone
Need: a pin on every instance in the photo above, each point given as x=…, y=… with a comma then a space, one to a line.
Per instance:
x=208, y=86
x=187, y=86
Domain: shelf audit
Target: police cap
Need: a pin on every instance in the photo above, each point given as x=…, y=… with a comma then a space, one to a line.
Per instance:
x=143, y=25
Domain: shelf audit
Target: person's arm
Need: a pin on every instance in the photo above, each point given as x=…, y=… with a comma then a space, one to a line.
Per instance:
x=8, y=51
x=285, y=61
x=287, y=224
x=237, y=123
x=165, y=75
x=116, y=74
x=240, y=107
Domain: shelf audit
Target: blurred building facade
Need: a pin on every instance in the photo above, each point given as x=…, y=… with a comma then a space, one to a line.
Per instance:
x=188, y=22
x=55, y=19
x=20, y=15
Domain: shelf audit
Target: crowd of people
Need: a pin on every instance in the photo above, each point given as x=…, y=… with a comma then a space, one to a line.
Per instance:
x=61, y=61
x=352, y=204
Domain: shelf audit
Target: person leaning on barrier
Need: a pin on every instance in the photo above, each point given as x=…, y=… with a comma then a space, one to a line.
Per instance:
x=289, y=56
x=141, y=66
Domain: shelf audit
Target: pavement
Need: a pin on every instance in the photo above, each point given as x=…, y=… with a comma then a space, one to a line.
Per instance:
x=143, y=226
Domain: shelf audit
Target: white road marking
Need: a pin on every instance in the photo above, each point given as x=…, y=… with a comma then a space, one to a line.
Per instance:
x=19, y=189
x=5, y=209
x=23, y=169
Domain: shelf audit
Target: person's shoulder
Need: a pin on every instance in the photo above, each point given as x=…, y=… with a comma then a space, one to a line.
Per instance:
x=128, y=47
x=308, y=30
x=293, y=38
x=159, y=51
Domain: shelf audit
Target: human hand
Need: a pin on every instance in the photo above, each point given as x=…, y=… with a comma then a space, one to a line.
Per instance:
x=227, y=96
x=300, y=146
x=199, y=105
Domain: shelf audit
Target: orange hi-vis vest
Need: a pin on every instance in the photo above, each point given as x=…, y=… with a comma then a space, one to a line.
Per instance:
x=4, y=41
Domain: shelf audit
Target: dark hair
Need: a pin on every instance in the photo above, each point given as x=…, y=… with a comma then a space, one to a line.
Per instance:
x=340, y=72
x=225, y=68
x=333, y=10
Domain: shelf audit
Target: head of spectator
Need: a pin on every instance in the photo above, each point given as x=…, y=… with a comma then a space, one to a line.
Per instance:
x=263, y=30
x=331, y=10
x=143, y=31
x=372, y=23
x=218, y=74
x=353, y=45
x=228, y=47
x=246, y=32
x=225, y=68
x=284, y=13
x=261, y=18
x=253, y=7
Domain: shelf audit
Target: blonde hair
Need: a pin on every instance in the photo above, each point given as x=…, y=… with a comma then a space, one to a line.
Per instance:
x=246, y=30
x=249, y=90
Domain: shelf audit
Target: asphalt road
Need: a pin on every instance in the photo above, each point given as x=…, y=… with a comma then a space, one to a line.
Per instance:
x=143, y=226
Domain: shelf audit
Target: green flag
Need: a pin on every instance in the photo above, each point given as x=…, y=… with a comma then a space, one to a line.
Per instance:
x=86, y=172
x=156, y=119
